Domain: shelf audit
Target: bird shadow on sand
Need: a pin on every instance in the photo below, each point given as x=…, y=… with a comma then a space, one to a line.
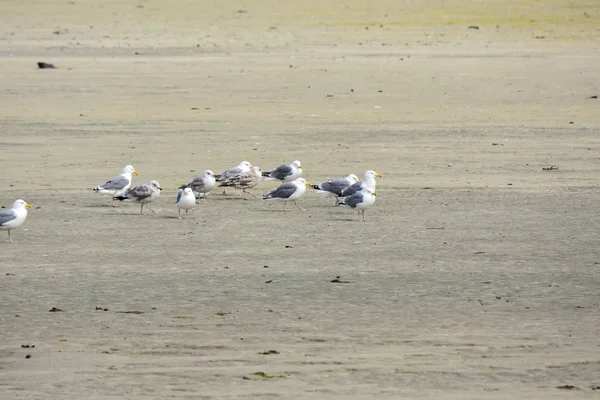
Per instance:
x=231, y=197
x=175, y=216
x=108, y=206
x=280, y=211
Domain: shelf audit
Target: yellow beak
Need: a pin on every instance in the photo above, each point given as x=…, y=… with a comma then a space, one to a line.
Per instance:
x=379, y=175
x=27, y=205
x=135, y=172
x=307, y=184
x=299, y=166
x=374, y=194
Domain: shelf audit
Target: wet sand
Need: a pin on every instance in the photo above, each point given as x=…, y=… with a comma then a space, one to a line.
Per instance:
x=475, y=275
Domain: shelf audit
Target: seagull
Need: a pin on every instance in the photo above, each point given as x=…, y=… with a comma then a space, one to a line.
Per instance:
x=202, y=184
x=14, y=217
x=231, y=172
x=118, y=185
x=367, y=183
x=359, y=201
x=288, y=191
x=144, y=194
x=245, y=180
x=336, y=186
x=285, y=172
x=185, y=200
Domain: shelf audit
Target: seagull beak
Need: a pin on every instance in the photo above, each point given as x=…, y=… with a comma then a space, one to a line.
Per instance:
x=159, y=188
x=135, y=172
x=27, y=205
x=374, y=194
x=379, y=175
x=307, y=184
x=251, y=166
x=299, y=166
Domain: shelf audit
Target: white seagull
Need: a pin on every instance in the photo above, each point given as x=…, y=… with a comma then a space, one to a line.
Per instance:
x=185, y=200
x=118, y=185
x=143, y=194
x=285, y=172
x=335, y=186
x=202, y=184
x=367, y=183
x=288, y=191
x=359, y=201
x=244, y=166
x=14, y=217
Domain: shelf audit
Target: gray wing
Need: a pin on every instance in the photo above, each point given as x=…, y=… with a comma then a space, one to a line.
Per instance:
x=335, y=186
x=282, y=192
x=354, y=199
x=179, y=194
x=350, y=190
x=7, y=216
x=139, y=192
x=281, y=172
x=223, y=176
x=116, y=183
x=197, y=184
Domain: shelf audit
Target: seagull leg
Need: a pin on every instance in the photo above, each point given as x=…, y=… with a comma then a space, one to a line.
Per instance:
x=284, y=204
x=205, y=195
x=224, y=192
x=185, y=216
x=358, y=215
x=299, y=206
x=363, y=214
x=154, y=211
x=179, y=213
x=113, y=202
x=142, y=209
x=9, y=237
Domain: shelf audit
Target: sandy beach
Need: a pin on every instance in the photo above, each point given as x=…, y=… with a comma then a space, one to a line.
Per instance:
x=476, y=274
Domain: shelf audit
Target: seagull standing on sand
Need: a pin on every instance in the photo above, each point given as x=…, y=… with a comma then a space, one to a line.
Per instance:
x=288, y=191
x=285, y=172
x=245, y=180
x=118, y=185
x=202, y=184
x=143, y=194
x=185, y=200
x=367, y=183
x=335, y=186
x=231, y=172
x=14, y=217
x=359, y=201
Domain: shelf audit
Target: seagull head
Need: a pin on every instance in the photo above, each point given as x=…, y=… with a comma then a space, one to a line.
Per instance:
x=208, y=172
x=372, y=174
x=352, y=178
x=245, y=165
x=156, y=184
x=129, y=170
x=301, y=182
x=297, y=164
x=21, y=204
